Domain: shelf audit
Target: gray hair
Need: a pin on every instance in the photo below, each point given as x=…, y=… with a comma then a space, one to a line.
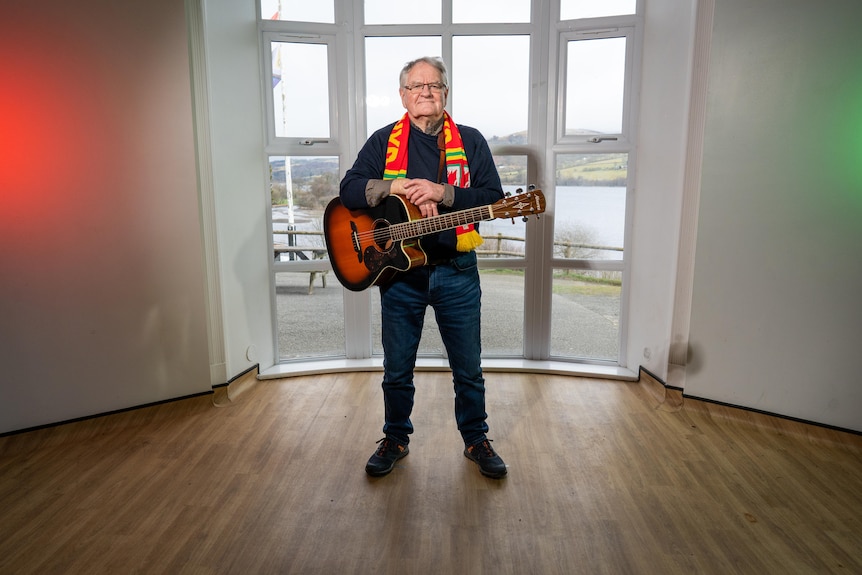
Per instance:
x=433, y=61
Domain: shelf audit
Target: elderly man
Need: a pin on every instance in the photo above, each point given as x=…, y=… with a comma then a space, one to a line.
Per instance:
x=439, y=167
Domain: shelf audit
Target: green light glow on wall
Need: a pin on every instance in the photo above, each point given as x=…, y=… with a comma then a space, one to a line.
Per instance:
x=847, y=142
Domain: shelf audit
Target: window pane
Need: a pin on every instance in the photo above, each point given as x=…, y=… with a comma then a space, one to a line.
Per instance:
x=403, y=12
x=595, y=85
x=309, y=324
x=502, y=313
x=310, y=316
x=585, y=315
x=301, y=187
x=491, y=11
x=590, y=206
x=505, y=238
x=384, y=59
x=503, y=289
x=589, y=223
x=573, y=9
x=298, y=10
x=491, y=84
x=300, y=89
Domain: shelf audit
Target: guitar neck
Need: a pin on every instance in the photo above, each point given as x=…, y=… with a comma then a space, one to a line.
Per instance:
x=434, y=224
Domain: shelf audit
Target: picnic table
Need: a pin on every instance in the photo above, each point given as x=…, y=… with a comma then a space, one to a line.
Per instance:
x=303, y=253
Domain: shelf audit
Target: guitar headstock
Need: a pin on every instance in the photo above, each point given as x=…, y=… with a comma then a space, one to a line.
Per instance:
x=529, y=203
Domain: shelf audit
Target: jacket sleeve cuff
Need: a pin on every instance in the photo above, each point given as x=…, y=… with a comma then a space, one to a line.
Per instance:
x=376, y=190
x=448, y=195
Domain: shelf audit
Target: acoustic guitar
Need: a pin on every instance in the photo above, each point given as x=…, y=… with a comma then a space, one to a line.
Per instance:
x=368, y=247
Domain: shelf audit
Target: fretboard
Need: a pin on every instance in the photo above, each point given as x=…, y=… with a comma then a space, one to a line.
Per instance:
x=425, y=226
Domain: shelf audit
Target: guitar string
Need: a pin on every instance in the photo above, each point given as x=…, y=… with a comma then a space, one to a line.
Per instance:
x=452, y=220
x=423, y=226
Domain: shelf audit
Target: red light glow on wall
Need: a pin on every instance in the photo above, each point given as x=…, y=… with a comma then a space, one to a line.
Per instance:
x=53, y=132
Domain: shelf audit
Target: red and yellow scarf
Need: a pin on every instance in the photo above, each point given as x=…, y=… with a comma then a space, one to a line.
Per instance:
x=457, y=170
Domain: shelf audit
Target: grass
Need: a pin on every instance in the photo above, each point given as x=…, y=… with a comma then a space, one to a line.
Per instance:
x=585, y=288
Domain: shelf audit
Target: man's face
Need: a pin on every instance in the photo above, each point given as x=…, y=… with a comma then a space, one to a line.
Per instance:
x=424, y=105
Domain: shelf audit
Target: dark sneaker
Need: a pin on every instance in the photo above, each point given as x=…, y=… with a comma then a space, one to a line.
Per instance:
x=490, y=464
x=385, y=457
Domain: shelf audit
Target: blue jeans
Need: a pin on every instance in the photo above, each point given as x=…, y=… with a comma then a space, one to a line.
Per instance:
x=453, y=290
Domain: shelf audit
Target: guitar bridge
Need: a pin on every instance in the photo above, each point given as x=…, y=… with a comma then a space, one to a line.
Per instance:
x=354, y=235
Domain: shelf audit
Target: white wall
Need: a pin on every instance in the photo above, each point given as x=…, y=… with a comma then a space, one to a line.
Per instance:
x=239, y=173
x=101, y=299
x=776, y=317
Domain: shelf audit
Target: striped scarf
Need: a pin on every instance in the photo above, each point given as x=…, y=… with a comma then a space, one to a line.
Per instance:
x=457, y=170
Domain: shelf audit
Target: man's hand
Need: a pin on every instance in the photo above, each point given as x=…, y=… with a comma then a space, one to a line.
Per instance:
x=423, y=194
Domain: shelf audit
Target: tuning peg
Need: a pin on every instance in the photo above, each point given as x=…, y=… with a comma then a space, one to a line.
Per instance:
x=531, y=187
x=508, y=194
x=519, y=191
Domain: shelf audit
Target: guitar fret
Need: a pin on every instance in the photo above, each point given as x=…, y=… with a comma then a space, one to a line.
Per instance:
x=439, y=223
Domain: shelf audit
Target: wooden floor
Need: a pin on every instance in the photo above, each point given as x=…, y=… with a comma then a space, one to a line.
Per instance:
x=604, y=477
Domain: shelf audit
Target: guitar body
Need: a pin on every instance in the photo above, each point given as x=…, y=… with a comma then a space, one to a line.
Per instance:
x=360, y=246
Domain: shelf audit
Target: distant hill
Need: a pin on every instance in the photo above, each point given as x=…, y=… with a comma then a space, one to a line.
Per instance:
x=516, y=139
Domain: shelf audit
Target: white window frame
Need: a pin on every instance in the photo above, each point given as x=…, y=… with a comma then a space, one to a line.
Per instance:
x=546, y=140
x=558, y=143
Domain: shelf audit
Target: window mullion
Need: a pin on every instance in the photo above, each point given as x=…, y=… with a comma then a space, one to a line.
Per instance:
x=351, y=94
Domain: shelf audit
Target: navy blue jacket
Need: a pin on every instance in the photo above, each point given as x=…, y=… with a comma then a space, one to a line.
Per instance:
x=423, y=161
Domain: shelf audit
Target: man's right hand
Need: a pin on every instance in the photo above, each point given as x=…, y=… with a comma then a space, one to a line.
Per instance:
x=409, y=187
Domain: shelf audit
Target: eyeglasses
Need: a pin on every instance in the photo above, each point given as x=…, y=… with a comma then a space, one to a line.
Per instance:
x=433, y=86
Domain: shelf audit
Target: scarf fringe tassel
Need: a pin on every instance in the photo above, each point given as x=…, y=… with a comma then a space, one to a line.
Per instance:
x=469, y=241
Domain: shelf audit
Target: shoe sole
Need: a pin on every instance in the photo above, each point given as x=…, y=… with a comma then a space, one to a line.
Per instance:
x=388, y=470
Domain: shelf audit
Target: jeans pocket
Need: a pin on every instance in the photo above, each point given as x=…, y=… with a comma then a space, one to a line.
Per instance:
x=464, y=261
